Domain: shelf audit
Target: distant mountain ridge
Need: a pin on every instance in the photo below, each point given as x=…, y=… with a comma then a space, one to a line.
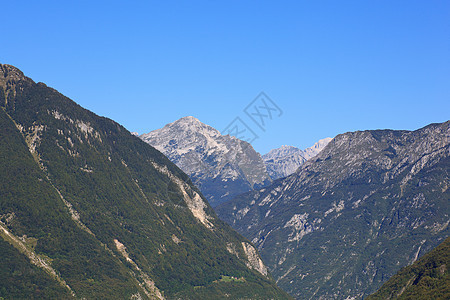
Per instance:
x=369, y=203
x=284, y=161
x=222, y=166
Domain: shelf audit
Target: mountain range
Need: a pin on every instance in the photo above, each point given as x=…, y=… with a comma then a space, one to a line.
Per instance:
x=348, y=219
x=223, y=166
x=90, y=211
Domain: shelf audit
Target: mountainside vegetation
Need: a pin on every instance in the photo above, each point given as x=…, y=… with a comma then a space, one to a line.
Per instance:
x=428, y=278
x=87, y=210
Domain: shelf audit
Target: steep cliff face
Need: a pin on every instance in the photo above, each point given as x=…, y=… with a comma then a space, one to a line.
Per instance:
x=222, y=166
x=88, y=210
x=369, y=203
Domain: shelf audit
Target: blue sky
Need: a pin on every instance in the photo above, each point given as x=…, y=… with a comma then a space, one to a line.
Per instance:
x=330, y=66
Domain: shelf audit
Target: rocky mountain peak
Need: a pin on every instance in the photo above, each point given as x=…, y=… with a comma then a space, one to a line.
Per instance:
x=188, y=119
x=281, y=152
x=193, y=125
x=221, y=165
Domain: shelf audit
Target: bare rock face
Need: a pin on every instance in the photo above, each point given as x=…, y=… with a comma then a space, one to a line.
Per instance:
x=254, y=261
x=368, y=204
x=222, y=166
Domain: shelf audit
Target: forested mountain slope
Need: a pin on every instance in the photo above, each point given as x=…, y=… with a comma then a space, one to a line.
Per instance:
x=88, y=210
x=428, y=278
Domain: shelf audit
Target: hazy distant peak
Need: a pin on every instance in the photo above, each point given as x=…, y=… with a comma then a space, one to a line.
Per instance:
x=316, y=148
x=321, y=143
x=284, y=161
x=287, y=147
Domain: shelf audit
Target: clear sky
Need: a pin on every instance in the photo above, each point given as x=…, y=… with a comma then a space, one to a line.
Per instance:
x=330, y=66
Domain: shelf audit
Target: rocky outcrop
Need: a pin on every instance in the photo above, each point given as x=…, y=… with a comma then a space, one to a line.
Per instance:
x=253, y=259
